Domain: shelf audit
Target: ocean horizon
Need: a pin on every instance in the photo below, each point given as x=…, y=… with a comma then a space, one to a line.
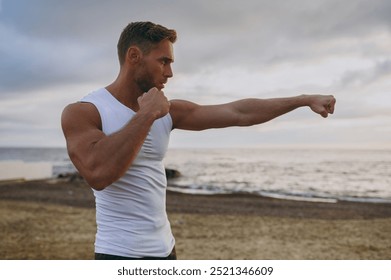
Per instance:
x=325, y=175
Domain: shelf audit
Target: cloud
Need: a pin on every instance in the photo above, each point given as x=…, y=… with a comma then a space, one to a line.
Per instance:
x=30, y=62
x=54, y=52
x=379, y=71
x=264, y=33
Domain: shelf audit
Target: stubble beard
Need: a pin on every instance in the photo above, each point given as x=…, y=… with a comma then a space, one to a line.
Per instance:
x=144, y=80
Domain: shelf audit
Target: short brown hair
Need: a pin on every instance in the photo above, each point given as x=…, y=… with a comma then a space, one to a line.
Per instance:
x=145, y=35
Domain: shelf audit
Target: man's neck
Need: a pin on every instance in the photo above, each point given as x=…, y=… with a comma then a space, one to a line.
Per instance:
x=126, y=94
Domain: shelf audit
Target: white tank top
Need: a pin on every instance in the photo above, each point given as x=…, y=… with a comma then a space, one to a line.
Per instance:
x=131, y=213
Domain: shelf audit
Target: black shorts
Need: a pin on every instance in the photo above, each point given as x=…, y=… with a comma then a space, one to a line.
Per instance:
x=171, y=256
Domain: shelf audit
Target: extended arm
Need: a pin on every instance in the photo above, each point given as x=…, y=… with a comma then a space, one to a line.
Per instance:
x=245, y=112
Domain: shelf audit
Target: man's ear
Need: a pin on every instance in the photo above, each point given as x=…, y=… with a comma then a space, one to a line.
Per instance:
x=133, y=55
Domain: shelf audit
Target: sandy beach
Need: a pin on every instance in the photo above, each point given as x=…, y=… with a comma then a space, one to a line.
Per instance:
x=55, y=219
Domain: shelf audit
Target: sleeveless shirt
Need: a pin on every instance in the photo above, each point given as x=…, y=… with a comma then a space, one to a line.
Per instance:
x=131, y=213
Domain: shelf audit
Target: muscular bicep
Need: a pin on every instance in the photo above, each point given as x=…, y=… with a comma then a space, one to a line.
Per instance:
x=191, y=116
x=81, y=126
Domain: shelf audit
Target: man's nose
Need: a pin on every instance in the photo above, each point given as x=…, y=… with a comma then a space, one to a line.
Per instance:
x=168, y=71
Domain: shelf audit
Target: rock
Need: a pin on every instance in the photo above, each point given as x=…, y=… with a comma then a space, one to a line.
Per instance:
x=172, y=173
x=71, y=176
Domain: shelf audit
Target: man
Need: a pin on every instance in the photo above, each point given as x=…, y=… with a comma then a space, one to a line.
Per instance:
x=117, y=137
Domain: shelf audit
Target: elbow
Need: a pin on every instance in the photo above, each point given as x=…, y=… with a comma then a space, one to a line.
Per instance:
x=97, y=185
x=98, y=180
x=97, y=175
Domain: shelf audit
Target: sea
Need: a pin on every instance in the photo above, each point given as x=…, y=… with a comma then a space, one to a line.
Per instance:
x=325, y=175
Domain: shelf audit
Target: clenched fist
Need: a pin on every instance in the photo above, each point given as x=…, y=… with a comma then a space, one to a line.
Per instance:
x=155, y=102
x=322, y=104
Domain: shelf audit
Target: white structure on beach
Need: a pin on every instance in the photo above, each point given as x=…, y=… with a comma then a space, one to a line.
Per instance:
x=20, y=170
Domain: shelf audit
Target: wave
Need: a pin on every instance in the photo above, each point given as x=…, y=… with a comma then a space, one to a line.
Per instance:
x=304, y=197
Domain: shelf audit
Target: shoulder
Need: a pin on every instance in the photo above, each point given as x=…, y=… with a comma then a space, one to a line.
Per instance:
x=80, y=113
x=80, y=110
x=180, y=110
x=182, y=106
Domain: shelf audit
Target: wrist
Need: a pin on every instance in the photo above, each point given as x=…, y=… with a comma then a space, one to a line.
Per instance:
x=147, y=115
x=304, y=100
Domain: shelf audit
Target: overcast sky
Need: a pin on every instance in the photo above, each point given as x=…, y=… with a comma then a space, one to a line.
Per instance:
x=54, y=52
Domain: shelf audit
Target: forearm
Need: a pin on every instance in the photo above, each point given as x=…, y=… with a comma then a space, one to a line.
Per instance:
x=257, y=111
x=112, y=155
